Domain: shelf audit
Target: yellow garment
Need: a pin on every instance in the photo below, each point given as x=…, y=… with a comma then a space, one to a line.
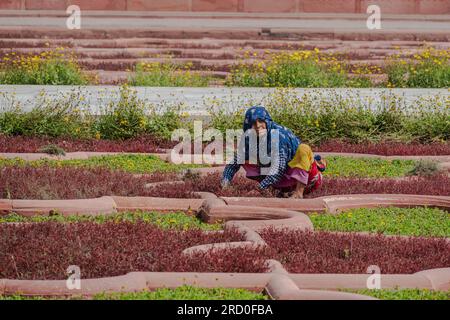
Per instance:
x=303, y=158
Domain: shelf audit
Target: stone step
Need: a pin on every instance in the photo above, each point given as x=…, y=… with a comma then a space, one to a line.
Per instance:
x=38, y=32
x=355, y=53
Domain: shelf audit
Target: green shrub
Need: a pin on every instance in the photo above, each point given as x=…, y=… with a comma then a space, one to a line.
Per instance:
x=424, y=168
x=167, y=74
x=51, y=67
x=321, y=115
x=53, y=150
x=123, y=119
x=306, y=69
x=53, y=116
x=427, y=69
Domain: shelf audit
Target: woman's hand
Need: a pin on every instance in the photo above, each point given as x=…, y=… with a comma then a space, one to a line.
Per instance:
x=225, y=184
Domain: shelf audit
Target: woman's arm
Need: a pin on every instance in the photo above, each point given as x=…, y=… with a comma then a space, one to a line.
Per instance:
x=276, y=172
x=230, y=170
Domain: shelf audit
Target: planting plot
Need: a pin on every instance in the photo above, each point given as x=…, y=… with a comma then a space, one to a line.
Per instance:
x=325, y=252
x=180, y=293
x=385, y=148
x=44, y=250
x=51, y=183
x=426, y=185
x=394, y=221
x=132, y=163
x=406, y=294
x=367, y=167
x=45, y=182
x=171, y=220
x=32, y=144
x=187, y=293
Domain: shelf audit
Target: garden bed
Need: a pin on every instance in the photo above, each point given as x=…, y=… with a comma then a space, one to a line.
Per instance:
x=45, y=250
x=406, y=294
x=429, y=222
x=168, y=220
x=152, y=144
x=52, y=183
x=132, y=163
x=326, y=252
x=33, y=144
x=386, y=148
x=438, y=184
x=180, y=293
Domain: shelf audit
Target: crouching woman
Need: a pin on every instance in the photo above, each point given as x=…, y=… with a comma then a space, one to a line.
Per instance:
x=293, y=169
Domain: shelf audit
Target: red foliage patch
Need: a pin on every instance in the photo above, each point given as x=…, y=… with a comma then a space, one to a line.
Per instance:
x=23, y=144
x=79, y=183
x=324, y=252
x=45, y=250
x=242, y=187
x=148, y=143
x=385, y=148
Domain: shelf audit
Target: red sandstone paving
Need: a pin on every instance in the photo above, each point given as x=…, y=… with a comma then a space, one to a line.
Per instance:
x=325, y=252
x=45, y=250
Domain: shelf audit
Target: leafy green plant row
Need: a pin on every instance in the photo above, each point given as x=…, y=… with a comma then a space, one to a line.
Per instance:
x=321, y=115
x=132, y=163
x=315, y=117
x=302, y=68
x=171, y=220
x=313, y=69
x=428, y=222
x=69, y=115
x=180, y=293
x=405, y=294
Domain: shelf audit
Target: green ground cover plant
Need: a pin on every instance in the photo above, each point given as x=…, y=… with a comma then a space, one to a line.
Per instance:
x=171, y=220
x=406, y=294
x=187, y=293
x=180, y=293
x=427, y=222
x=132, y=163
x=367, y=167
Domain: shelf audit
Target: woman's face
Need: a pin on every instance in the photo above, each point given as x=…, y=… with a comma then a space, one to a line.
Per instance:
x=260, y=127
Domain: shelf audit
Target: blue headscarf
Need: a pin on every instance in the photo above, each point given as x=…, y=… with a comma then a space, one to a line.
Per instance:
x=288, y=142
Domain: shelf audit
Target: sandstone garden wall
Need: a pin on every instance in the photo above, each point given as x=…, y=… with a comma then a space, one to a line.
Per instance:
x=323, y=6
